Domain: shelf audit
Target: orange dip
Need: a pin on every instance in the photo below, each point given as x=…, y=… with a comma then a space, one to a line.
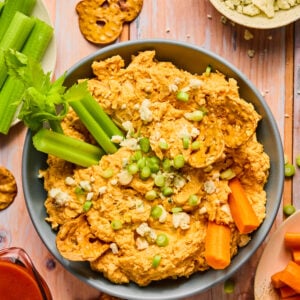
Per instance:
x=16, y=283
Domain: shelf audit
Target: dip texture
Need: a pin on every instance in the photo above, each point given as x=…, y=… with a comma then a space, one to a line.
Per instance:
x=193, y=133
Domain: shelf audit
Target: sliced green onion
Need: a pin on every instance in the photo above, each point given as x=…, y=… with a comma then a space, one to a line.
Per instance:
x=145, y=173
x=298, y=160
x=144, y=144
x=151, y=195
x=154, y=160
x=79, y=191
x=196, y=145
x=132, y=168
x=289, y=170
x=137, y=155
x=156, y=261
x=116, y=224
x=162, y=240
x=156, y=212
x=193, y=200
x=159, y=180
x=87, y=206
x=163, y=145
x=208, y=70
x=167, y=191
x=141, y=163
x=196, y=115
x=185, y=142
x=166, y=164
x=153, y=164
x=182, y=96
x=229, y=285
x=178, y=161
x=176, y=210
x=227, y=174
x=107, y=173
x=288, y=210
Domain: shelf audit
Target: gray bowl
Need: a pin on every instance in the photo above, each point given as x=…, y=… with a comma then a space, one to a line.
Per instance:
x=195, y=60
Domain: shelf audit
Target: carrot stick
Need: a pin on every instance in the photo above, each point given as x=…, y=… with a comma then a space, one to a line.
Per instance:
x=217, y=245
x=291, y=276
x=292, y=240
x=275, y=280
x=296, y=256
x=287, y=291
x=241, y=210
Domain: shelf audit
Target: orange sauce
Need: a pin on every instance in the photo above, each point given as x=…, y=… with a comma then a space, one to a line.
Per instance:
x=17, y=283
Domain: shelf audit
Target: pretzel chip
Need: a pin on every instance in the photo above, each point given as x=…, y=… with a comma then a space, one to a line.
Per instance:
x=76, y=242
x=130, y=9
x=8, y=188
x=101, y=21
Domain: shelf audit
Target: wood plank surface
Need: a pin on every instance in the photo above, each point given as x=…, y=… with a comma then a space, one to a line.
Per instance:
x=274, y=69
x=296, y=119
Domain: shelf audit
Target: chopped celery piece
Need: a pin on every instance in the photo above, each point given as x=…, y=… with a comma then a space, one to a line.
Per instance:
x=14, y=38
x=9, y=10
x=67, y=148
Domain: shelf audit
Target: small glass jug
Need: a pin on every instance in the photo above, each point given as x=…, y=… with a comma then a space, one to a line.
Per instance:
x=19, y=279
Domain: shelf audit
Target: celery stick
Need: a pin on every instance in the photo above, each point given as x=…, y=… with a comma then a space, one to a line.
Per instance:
x=9, y=10
x=17, y=32
x=13, y=89
x=14, y=38
x=93, y=127
x=10, y=98
x=38, y=40
x=67, y=148
x=101, y=117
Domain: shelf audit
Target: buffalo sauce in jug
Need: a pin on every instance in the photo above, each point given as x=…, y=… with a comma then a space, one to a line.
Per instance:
x=19, y=279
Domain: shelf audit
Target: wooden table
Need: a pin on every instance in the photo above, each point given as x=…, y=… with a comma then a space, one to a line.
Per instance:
x=274, y=69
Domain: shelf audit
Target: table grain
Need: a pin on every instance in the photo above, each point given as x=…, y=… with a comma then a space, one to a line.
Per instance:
x=271, y=60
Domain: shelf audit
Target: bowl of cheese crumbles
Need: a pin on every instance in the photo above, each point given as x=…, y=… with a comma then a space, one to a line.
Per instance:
x=260, y=14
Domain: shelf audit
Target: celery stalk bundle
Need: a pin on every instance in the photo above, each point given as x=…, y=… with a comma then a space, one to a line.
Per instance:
x=23, y=33
x=40, y=100
x=23, y=42
x=10, y=7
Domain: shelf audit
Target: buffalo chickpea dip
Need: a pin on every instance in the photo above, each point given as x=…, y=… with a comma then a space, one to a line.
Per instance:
x=142, y=213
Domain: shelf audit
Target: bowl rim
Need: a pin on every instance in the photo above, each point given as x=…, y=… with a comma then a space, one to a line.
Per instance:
x=184, y=288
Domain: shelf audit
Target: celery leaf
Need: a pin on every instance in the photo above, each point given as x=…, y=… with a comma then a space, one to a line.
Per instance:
x=43, y=100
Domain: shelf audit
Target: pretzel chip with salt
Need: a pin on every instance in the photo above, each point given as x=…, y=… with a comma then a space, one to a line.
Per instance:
x=8, y=188
x=101, y=21
x=76, y=242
